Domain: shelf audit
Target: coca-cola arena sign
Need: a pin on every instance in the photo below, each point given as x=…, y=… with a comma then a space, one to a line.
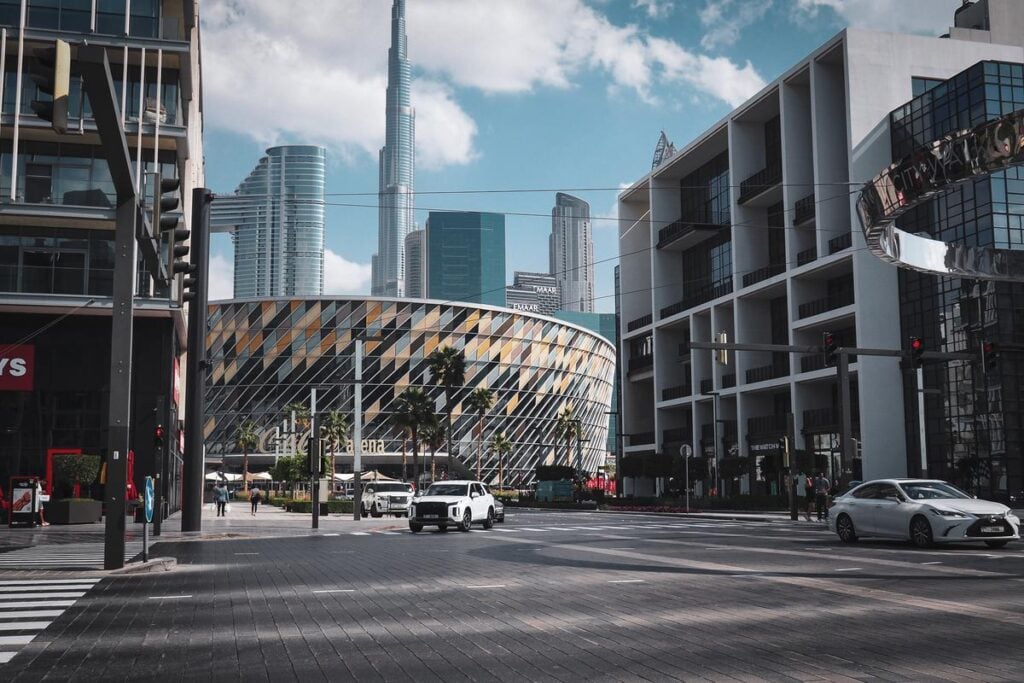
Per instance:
x=17, y=367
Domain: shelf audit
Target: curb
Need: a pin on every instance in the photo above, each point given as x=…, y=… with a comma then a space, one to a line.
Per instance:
x=730, y=516
x=156, y=564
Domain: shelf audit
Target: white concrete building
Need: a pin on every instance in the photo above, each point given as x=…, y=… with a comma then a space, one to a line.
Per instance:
x=751, y=230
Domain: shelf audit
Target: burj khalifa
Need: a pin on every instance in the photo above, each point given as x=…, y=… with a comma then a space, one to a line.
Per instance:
x=397, y=167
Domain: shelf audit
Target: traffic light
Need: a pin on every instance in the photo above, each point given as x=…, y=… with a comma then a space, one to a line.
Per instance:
x=722, y=355
x=50, y=68
x=989, y=356
x=829, y=346
x=158, y=436
x=916, y=351
x=165, y=200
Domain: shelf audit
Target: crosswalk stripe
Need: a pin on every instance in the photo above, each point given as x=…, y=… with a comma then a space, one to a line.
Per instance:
x=24, y=625
x=22, y=614
x=14, y=589
x=6, y=657
x=41, y=582
x=29, y=613
x=63, y=556
x=16, y=640
x=42, y=603
x=23, y=596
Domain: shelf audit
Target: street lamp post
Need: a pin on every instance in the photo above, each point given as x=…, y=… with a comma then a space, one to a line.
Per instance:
x=686, y=450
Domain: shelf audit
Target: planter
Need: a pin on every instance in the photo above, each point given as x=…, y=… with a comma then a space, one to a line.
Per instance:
x=73, y=511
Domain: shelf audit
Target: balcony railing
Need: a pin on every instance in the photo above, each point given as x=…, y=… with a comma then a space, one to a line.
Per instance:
x=767, y=372
x=641, y=438
x=820, y=417
x=685, y=228
x=677, y=435
x=639, y=322
x=672, y=393
x=702, y=296
x=706, y=385
x=806, y=256
x=812, y=362
x=728, y=381
x=767, y=424
x=762, y=181
x=804, y=210
x=641, y=363
x=844, y=241
x=760, y=274
x=829, y=303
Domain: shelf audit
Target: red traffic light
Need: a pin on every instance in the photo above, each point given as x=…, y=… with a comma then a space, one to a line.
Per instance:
x=988, y=347
x=828, y=339
x=916, y=344
x=159, y=432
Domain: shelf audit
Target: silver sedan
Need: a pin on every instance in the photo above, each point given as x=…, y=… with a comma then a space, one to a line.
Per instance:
x=924, y=511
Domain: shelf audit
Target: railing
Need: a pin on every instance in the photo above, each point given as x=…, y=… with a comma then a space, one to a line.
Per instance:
x=806, y=256
x=762, y=181
x=676, y=435
x=839, y=243
x=639, y=322
x=767, y=424
x=640, y=363
x=831, y=302
x=706, y=385
x=681, y=391
x=767, y=372
x=820, y=417
x=752, y=278
x=728, y=381
x=811, y=363
x=703, y=295
x=641, y=438
x=804, y=210
x=681, y=228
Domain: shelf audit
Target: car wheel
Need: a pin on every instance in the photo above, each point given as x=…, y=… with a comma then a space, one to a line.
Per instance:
x=415, y=528
x=442, y=527
x=489, y=522
x=467, y=520
x=375, y=513
x=996, y=544
x=921, y=532
x=845, y=530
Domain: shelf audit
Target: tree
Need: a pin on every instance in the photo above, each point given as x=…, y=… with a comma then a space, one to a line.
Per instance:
x=415, y=406
x=301, y=411
x=448, y=368
x=335, y=429
x=433, y=433
x=479, y=402
x=567, y=426
x=246, y=439
x=403, y=421
x=502, y=446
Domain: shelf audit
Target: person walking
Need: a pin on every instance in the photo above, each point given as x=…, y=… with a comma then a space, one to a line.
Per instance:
x=220, y=497
x=808, y=496
x=821, y=487
x=254, y=498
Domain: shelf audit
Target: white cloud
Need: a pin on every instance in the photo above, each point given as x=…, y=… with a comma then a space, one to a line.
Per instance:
x=726, y=19
x=717, y=76
x=222, y=278
x=342, y=276
x=656, y=9
x=931, y=17
x=610, y=218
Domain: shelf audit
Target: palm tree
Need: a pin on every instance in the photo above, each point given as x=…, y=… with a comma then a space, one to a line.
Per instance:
x=433, y=433
x=502, y=446
x=403, y=422
x=418, y=410
x=479, y=402
x=301, y=411
x=448, y=369
x=246, y=438
x=568, y=426
x=335, y=429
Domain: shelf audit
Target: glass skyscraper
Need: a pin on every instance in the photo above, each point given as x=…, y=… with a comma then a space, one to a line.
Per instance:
x=397, y=167
x=276, y=218
x=415, y=264
x=466, y=257
x=572, y=252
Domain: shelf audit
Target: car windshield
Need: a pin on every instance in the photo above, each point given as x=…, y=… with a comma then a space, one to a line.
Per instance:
x=447, y=490
x=931, y=490
x=404, y=488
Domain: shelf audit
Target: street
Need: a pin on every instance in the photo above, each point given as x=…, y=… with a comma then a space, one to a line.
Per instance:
x=564, y=596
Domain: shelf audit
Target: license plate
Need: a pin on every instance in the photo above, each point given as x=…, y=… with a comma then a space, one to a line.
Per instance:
x=991, y=529
x=430, y=516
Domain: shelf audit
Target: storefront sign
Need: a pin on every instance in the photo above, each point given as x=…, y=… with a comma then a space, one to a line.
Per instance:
x=17, y=367
x=23, y=501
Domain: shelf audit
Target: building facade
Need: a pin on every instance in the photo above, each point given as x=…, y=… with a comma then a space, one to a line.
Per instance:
x=416, y=264
x=396, y=197
x=57, y=226
x=267, y=354
x=748, y=231
x=533, y=293
x=465, y=257
x=276, y=220
x=571, y=246
x=603, y=324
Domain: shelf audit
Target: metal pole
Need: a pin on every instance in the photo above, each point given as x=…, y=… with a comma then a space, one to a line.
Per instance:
x=923, y=448
x=314, y=458
x=794, y=514
x=357, y=434
x=718, y=463
x=846, y=415
x=145, y=540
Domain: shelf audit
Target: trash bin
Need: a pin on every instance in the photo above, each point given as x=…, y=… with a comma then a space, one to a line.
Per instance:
x=324, y=509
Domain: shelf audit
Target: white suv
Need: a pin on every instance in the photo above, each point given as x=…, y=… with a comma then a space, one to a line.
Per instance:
x=452, y=502
x=386, y=498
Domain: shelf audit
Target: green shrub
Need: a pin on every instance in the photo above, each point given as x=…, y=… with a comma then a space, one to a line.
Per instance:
x=305, y=506
x=554, y=505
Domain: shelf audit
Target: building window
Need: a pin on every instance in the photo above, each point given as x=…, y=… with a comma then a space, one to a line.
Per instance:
x=920, y=86
x=704, y=194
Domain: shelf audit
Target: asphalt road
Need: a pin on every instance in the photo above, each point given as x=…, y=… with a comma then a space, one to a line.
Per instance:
x=549, y=596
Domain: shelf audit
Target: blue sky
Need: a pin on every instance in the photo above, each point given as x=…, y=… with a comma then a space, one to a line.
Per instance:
x=545, y=95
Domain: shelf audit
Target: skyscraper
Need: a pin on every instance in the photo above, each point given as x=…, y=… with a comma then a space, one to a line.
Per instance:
x=466, y=257
x=276, y=218
x=416, y=265
x=397, y=167
x=533, y=292
x=572, y=252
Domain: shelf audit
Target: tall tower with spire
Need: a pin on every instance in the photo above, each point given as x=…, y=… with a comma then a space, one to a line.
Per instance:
x=397, y=167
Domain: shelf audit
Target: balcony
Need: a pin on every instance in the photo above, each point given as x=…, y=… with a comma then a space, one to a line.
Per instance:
x=804, y=210
x=760, y=274
x=683, y=234
x=829, y=303
x=640, y=363
x=706, y=385
x=726, y=430
x=764, y=180
x=703, y=295
x=677, y=435
x=728, y=381
x=844, y=241
x=766, y=425
x=641, y=438
x=819, y=418
x=812, y=362
x=639, y=322
x=681, y=391
x=806, y=256
x=767, y=372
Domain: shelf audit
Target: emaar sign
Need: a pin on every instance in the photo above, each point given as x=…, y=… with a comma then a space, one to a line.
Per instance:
x=17, y=367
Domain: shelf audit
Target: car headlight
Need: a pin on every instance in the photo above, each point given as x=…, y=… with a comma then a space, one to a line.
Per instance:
x=949, y=514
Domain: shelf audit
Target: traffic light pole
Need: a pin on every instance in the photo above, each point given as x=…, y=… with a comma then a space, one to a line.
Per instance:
x=920, y=421
x=314, y=458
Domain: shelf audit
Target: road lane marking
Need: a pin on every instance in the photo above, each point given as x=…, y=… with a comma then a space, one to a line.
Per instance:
x=24, y=625
x=496, y=585
x=246, y=553
x=6, y=657
x=332, y=534
x=627, y=581
x=337, y=590
x=42, y=582
x=931, y=563
x=29, y=585
x=169, y=597
x=16, y=640
x=38, y=596
x=22, y=614
x=849, y=569
x=41, y=603
x=360, y=533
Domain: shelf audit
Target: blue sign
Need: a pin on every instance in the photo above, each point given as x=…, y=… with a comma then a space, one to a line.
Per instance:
x=149, y=499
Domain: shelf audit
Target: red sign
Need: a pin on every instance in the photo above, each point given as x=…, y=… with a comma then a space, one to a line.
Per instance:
x=17, y=367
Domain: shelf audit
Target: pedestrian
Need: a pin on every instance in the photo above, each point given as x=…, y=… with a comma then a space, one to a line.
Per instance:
x=254, y=498
x=39, y=504
x=821, y=487
x=220, y=497
x=808, y=496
